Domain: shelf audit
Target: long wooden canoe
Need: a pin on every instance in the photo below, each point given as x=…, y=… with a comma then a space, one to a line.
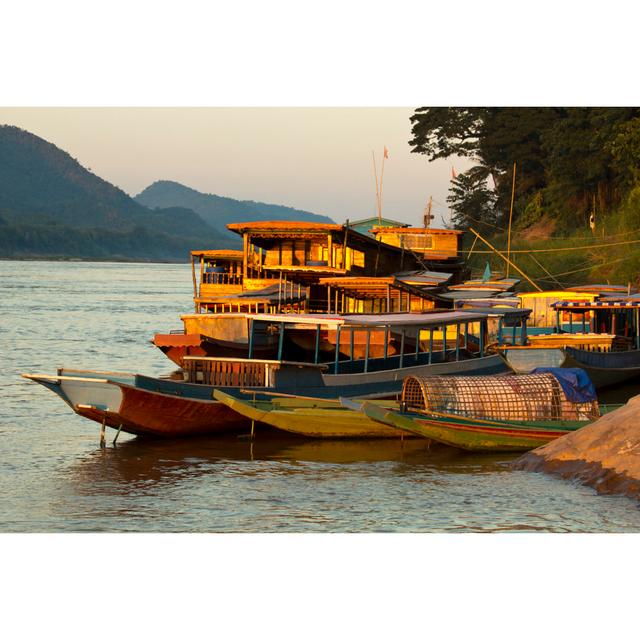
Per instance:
x=468, y=433
x=311, y=417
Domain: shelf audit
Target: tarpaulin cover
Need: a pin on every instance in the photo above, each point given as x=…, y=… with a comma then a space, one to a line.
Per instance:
x=575, y=383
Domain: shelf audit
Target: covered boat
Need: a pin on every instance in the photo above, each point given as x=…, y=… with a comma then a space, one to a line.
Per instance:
x=618, y=363
x=496, y=413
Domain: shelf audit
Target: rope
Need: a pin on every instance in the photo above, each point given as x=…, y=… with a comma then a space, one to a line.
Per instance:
x=561, y=249
x=595, y=266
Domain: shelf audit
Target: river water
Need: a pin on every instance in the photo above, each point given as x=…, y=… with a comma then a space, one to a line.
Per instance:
x=55, y=477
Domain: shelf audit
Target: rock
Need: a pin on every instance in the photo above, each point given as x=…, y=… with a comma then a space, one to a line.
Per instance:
x=604, y=455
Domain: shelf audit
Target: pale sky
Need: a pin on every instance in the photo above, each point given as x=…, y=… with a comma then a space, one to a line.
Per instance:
x=317, y=159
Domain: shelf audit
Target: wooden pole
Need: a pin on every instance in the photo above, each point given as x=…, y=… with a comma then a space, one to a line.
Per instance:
x=195, y=286
x=375, y=175
x=380, y=199
x=513, y=193
x=344, y=245
x=499, y=253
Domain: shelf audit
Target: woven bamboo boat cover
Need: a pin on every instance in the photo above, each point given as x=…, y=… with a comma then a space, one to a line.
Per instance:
x=532, y=397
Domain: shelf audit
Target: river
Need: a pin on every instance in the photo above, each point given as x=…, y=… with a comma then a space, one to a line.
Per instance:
x=54, y=477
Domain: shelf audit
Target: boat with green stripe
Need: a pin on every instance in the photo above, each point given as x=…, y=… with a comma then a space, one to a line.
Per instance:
x=496, y=413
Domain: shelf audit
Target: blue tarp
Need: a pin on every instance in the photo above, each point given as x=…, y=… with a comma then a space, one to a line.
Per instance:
x=575, y=383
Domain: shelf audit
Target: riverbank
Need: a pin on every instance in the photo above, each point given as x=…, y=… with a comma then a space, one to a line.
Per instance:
x=605, y=455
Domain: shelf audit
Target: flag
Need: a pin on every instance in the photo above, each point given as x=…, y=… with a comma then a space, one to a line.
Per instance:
x=486, y=276
x=454, y=175
x=386, y=152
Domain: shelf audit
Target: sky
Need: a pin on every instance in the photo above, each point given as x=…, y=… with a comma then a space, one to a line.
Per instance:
x=314, y=158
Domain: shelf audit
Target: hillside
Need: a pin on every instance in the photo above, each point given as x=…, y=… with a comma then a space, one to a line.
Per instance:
x=51, y=206
x=219, y=211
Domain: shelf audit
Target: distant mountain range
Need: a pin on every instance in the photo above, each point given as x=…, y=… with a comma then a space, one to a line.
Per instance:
x=52, y=207
x=218, y=211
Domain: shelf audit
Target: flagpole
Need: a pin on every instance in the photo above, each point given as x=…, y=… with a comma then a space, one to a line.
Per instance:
x=375, y=174
x=384, y=155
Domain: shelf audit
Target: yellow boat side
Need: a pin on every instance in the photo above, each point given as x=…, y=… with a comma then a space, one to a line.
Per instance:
x=309, y=418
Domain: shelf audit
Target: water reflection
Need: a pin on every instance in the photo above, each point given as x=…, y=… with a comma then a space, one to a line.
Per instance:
x=140, y=461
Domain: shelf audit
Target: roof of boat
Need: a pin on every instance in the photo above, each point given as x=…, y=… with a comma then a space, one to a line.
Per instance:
x=434, y=319
x=486, y=303
x=220, y=254
x=422, y=230
x=289, y=225
x=606, y=303
x=474, y=294
x=499, y=311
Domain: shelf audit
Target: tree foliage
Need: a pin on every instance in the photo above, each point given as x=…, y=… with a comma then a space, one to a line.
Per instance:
x=566, y=157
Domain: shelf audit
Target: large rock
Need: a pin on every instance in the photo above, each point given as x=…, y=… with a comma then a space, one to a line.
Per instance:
x=605, y=455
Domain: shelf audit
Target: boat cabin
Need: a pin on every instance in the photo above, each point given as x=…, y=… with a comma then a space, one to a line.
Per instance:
x=619, y=317
x=220, y=273
x=403, y=292
x=544, y=318
x=437, y=249
x=295, y=255
x=365, y=343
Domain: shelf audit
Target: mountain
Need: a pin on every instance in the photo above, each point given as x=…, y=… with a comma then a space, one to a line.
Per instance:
x=51, y=206
x=219, y=211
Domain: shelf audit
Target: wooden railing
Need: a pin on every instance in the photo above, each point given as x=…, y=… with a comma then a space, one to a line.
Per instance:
x=221, y=278
x=226, y=372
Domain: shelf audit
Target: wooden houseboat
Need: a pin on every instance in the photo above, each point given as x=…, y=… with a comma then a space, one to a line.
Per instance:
x=278, y=271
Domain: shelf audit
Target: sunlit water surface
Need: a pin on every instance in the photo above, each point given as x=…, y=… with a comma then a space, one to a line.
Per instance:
x=54, y=476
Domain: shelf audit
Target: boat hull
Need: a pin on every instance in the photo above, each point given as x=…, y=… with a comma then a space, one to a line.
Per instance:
x=605, y=369
x=313, y=419
x=474, y=435
x=144, y=412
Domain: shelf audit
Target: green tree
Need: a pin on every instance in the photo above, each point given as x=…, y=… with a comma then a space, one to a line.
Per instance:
x=471, y=199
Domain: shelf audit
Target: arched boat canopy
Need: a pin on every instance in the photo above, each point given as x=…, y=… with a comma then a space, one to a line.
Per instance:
x=504, y=397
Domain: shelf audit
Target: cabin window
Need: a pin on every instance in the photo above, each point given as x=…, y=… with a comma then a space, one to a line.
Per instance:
x=418, y=241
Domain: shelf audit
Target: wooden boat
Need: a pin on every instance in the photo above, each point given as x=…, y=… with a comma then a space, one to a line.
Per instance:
x=473, y=434
x=176, y=346
x=515, y=413
x=311, y=417
x=141, y=405
x=605, y=368
x=169, y=408
x=222, y=335
x=549, y=350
